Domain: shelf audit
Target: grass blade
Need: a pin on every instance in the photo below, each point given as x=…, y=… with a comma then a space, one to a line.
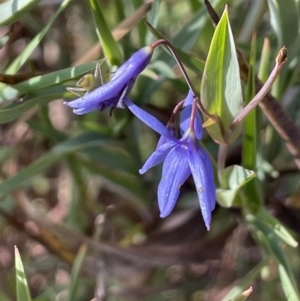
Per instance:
x=12, y=11
x=79, y=143
x=23, y=293
x=44, y=81
x=73, y=285
x=110, y=46
x=22, y=58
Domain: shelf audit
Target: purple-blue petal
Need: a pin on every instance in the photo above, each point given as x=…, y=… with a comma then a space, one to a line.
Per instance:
x=113, y=92
x=175, y=172
x=210, y=179
x=92, y=100
x=134, y=65
x=185, y=117
x=203, y=178
x=157, y=156
x=148, y=119
x=162, y=140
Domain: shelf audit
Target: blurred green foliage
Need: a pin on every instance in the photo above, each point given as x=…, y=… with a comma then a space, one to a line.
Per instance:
x=85, y=222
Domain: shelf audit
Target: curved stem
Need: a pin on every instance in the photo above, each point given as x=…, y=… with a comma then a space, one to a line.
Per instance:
x=186, y=77
x=280, y=60
x=193, y=115
x=170, y=47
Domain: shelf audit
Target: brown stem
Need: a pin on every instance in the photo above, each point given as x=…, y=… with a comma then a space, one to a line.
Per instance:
x=280, y=60
x=186, y=77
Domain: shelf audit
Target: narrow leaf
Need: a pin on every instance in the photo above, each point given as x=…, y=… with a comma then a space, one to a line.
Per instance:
x=221, y=91
x=23, y=293
x=285, y=21
x=249, y=150
x=269, y=241
x=110, y=46
x=22, y=58
x=250, y=142
x=264, y=64
x=44, y=81
x=86, y=140
x=12, y=11
x=244, y=295
x=41, y=98
x=153, y=19
x=277, y=227
x=74, y=281
x=184, y=39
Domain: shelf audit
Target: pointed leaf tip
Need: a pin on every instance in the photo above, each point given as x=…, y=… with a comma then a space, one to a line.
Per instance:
x=221, y=91
x=22, y=288
x=248, y=292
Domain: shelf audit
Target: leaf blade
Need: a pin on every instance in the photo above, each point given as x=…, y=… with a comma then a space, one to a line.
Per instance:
x=110, y=46
x=11, y=11
x=221, y=91
x=22, y=58
x=23, y=293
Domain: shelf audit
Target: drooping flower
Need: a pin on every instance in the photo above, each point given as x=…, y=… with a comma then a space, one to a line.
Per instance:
x=181, y=157
x=113, y=93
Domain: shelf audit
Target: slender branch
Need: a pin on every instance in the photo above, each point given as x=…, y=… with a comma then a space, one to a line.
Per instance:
x=212, y=13
x=280, y=60
x=187, y=79
x=178, y=107
x=193, y=115
x=170, y=47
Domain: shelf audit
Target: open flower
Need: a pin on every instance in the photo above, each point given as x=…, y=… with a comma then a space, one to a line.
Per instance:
x=181, y=157
x=112, y=93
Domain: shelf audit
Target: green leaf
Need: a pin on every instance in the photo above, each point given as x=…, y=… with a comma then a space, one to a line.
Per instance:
x=276, y=226
x=264, y=64
x=40, y=98
x=141, y=28
x=184, y=39
x=269, y=241
x=12, y=10
x=22, y=58
x=250, y=143
x=110, y=46
x=74, y=281
x=285, y=21
x=234, y=177
x=221, y=91
x=250, y=135
x=127, y=184
x=47, y=80
x=23, y=293
x=152, y=16
x=73, y=145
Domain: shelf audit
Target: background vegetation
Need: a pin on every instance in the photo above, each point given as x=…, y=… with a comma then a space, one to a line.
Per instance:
x=85, y=222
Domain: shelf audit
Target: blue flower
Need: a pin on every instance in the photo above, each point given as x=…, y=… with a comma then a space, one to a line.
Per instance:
x=112, y=93
x=181, y=157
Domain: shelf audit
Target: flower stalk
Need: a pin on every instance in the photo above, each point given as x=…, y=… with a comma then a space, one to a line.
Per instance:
x=280, y=60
